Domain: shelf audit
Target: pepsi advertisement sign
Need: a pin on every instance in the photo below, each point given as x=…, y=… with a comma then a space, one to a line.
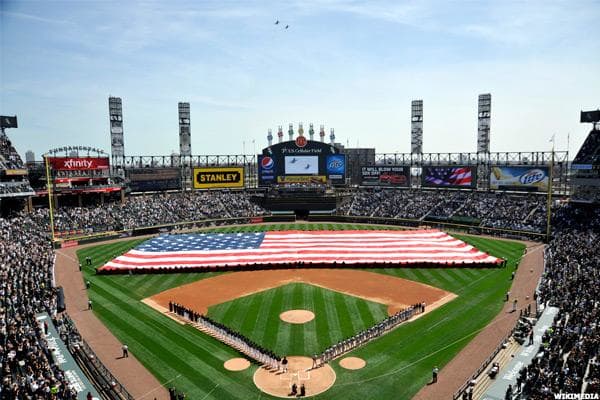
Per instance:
x=266, y=170
x=336, y=167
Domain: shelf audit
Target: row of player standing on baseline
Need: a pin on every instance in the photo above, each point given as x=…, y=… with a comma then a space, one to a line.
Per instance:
x=367, y=335
x=229, y=336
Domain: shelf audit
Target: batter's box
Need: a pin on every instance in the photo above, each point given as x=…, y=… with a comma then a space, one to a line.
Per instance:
x=295, y=376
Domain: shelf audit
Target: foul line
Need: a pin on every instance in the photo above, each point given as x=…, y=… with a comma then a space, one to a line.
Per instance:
x=212, y=390
x=161, y=385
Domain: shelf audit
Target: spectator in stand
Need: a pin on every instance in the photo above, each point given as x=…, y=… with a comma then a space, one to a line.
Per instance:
x=28, y=368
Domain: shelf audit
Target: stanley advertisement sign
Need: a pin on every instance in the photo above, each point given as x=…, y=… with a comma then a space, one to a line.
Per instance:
x=218, y=177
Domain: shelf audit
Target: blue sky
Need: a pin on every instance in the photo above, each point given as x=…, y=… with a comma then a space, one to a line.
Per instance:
x=354, y=66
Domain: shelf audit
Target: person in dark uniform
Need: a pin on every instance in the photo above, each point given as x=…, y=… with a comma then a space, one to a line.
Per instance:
x=294, y=390
x=434, y=374
x=302, y=391
x=284, y=364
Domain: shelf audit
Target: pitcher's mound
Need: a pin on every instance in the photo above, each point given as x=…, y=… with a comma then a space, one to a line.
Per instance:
x=297, y=316
x=279, y=384
x=236, y=364
x=352, y=363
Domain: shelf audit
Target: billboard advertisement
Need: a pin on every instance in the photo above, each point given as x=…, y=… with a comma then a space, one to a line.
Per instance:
x=449, y=176
x=381, y=175
x=154, y=179
x=336, y=168
x=524, y=177
x=266, y=170
x=78, y=163
x=218, y=177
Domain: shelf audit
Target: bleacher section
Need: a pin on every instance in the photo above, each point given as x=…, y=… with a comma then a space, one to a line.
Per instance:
x=586, y=170
x=13, y=174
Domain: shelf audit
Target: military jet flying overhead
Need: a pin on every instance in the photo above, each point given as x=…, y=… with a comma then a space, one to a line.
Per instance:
x=287, y=26
x=277, y=22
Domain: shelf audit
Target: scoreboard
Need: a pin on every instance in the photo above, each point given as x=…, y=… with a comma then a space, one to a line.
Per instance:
x=301, y=161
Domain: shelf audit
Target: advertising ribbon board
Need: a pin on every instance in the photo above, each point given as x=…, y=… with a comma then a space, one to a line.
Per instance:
x=218, y=177
x=302, y=179
x=524, y=178
x=65, y=361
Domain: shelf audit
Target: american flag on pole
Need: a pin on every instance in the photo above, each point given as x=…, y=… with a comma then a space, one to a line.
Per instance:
x=289, y=247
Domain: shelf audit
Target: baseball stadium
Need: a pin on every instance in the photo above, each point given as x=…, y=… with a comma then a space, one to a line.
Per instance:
x=304, y=268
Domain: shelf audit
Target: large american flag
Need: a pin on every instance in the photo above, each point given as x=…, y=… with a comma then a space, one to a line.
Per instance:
x=286, y=247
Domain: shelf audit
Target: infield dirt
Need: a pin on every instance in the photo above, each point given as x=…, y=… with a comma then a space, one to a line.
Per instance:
x=394, y=292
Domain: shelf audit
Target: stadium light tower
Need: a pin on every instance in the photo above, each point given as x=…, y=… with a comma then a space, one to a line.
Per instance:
x=311, y=131
x=322, y=132
x=280, y=133
x=332, y=136
x=270, y=137
x=300, y=129
x=117, y=146
x=185, y=133
x=484, y=116
x=416, y=127
x=291, y=131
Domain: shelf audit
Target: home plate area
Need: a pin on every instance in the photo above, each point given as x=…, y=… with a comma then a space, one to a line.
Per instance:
x=279, y=384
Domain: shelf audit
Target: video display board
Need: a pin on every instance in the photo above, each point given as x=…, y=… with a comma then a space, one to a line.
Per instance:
x=382, y=175
x=218, y=177
x=301, y=161
x=301, y=165
x=154, y=179
x=449, y=176
x=524, y=178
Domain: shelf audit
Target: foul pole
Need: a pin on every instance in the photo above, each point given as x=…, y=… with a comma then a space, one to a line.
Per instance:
x=49, y=188
x=549, y=197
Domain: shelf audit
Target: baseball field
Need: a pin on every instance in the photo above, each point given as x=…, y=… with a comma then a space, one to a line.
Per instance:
x=397, y=364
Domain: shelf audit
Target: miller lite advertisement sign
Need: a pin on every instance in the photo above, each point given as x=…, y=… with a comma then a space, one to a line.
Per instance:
x=78, y=163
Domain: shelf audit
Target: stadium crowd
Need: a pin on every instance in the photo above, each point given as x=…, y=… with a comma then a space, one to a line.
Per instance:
x=29, y=370
x=156, y=209
x=9, y=157
x=570, y=280
x=494, y=210
x=7, y=188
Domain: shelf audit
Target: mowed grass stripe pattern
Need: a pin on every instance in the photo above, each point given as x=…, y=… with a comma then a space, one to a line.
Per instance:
x=399, y=364
x=337, y=314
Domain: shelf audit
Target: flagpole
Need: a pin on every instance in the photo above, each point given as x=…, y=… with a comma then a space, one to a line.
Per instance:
x=549, y=196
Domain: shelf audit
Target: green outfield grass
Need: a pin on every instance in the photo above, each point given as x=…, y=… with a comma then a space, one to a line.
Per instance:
x=399, y=364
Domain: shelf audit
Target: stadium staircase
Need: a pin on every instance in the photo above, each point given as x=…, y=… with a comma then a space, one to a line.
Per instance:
x=531, y=213
x=483, y=381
